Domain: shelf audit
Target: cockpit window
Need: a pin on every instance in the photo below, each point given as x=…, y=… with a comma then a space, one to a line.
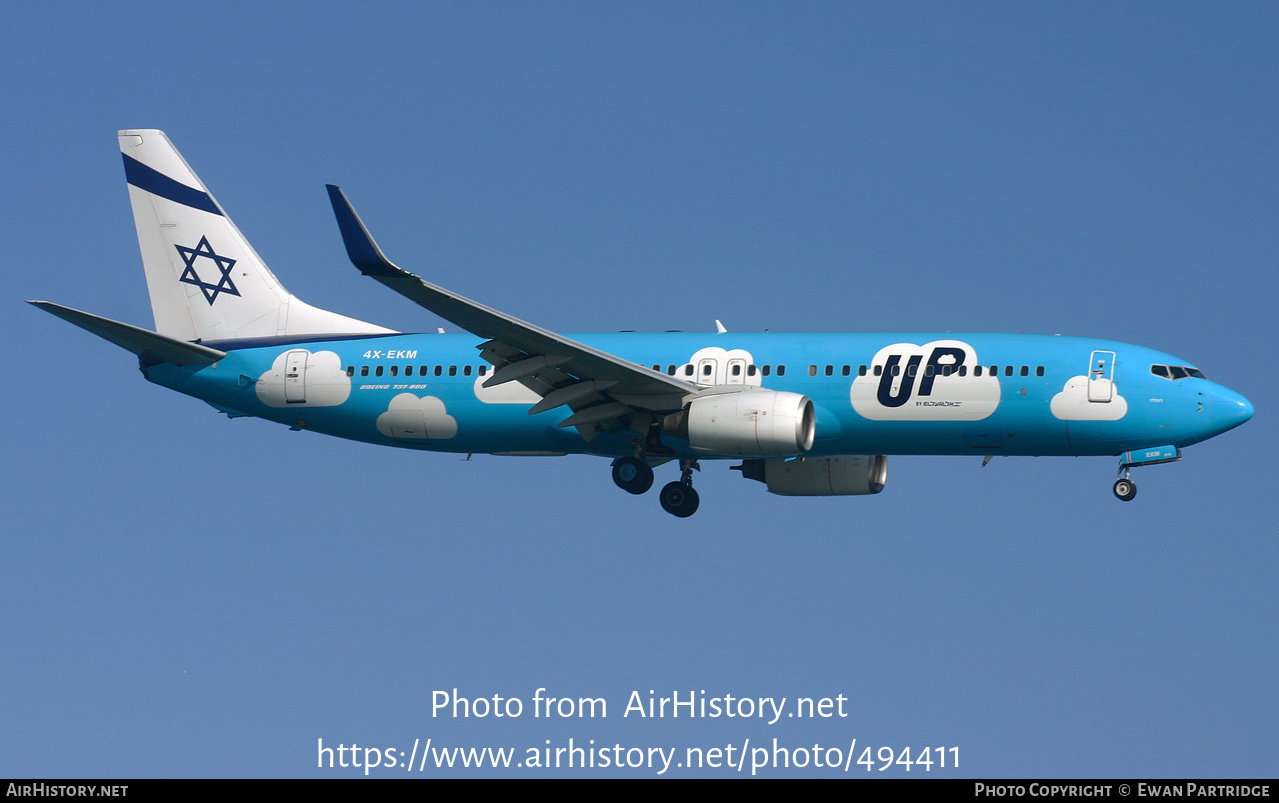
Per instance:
x=1176, y=372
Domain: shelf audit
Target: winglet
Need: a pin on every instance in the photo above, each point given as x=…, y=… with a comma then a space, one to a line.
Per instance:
x=360, y=246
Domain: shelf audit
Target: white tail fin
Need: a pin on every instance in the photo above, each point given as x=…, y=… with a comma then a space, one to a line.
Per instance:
x=206, y=282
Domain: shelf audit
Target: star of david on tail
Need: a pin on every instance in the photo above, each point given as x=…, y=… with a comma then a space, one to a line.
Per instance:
x=189, y=276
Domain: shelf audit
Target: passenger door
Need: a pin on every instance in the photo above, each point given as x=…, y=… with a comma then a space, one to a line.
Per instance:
x=1101, y=368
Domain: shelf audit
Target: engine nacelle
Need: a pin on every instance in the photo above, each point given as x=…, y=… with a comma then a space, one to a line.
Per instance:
x=837, y=475
x=747, y=423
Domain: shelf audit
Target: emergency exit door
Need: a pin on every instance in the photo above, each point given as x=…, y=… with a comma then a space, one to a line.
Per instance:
x=295, y=377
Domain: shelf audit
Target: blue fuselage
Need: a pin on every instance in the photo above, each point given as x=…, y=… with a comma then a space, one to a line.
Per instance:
x=874, y=393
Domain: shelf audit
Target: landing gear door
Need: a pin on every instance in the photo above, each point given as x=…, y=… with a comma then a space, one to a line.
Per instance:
x=295, y=377
x=1101, y=376
x=408, y=425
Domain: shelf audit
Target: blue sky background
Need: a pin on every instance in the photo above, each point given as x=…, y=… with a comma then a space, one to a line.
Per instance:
x=185, y=595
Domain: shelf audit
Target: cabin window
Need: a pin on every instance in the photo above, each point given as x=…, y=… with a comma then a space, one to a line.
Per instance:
x=830, y=370
x=706, y=369
x=861, y=370
x=750, y=370
x=484, y=369
x=781, y=370
x=377, y=371
x=466, y=370
x=1039, y=370
x=439, y=370
x=812, y=370
x=1008, y=370
x=737, y=370
x=408, y=370
x=395, y=370
x=963, y=370
x=688, y=370
x=364, y=370
x=1025, y=370
x=452, y=370
x=879, y=370
x=766, y=370
x=670, y=370
x=350, y=370
x=846, y=370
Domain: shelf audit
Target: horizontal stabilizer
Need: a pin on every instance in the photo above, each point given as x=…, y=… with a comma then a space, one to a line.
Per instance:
x=142, y=342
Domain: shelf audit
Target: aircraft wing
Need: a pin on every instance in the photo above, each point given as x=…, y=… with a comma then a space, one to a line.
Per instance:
x=599, y=387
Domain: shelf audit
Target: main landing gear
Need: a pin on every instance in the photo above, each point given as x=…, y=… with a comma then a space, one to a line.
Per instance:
x=678, y=498
x=634, y=475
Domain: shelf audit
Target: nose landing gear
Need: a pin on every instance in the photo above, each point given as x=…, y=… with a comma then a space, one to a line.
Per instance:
x=1125, y=488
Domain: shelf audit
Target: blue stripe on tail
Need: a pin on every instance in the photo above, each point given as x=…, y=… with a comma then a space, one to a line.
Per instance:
x=157, y=183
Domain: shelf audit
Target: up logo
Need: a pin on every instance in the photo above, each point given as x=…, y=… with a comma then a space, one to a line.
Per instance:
x=932, y=382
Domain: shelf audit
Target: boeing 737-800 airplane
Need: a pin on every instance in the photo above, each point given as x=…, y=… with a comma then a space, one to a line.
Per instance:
x=807, y=414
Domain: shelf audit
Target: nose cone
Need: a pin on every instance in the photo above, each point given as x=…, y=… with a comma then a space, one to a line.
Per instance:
x=1229, y=409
